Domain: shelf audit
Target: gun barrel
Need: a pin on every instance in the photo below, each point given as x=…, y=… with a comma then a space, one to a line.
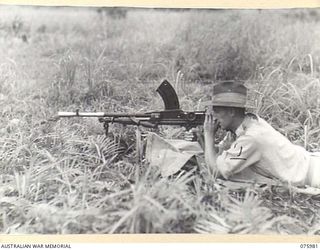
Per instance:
x=149, y=119
x=100, y=114
x=81, y=114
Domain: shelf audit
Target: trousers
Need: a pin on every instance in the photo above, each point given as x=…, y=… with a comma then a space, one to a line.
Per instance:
x=313, y=175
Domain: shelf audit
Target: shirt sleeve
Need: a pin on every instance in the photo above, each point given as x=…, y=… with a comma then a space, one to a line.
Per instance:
x=243, y=153
x=225, y=143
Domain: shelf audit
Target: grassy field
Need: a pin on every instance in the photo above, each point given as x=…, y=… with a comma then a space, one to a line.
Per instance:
x=66, y=177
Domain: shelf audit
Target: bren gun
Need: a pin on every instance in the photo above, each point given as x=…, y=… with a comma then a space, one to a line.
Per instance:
x=171, y=115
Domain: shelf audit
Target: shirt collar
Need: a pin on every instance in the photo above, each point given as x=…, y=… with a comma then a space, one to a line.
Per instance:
x=240, y=130
x=243, y=126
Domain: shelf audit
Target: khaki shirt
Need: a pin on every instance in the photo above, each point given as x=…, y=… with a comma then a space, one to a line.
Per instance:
x=264, y=150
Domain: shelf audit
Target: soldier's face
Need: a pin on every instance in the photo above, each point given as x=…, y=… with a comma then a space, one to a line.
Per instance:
x=224, y=116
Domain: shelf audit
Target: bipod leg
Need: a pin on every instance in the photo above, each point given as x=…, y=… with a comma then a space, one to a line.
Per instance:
x=139, y=151
x=106, y=128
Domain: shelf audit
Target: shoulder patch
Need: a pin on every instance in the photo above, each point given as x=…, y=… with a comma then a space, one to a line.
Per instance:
x=238, y=158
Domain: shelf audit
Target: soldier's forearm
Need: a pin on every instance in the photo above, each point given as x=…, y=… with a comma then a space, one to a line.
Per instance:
x=210, y=152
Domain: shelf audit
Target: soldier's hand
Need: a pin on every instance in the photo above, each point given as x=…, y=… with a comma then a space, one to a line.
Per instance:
x=211, y=125
x=192, y=134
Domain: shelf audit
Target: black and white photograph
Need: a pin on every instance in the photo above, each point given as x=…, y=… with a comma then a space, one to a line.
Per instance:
x=131, y=120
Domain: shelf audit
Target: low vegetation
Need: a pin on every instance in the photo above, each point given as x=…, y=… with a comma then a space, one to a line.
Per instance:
x=67, y=177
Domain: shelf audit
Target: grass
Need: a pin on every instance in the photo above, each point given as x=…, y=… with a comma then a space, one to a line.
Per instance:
x=66, y=177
